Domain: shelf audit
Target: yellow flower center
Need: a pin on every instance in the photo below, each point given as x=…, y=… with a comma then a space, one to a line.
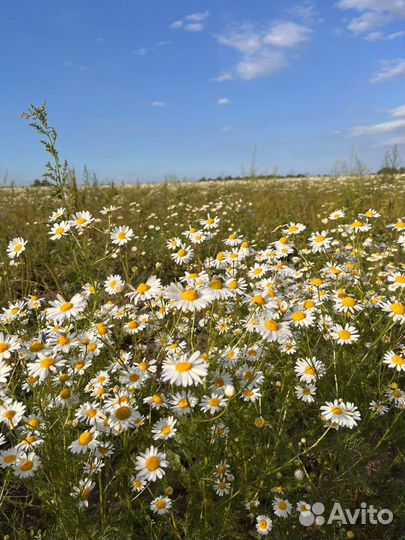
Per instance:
x=182, y=367
x=398, y=360
x=183, y=404
x=344, y=334
x=81, y=221
x=282, y=505
x=166, y=430
x=33, y=423
x=319, y=239
x=142, y=288
x=263, y=524
x=36, y=346
x=337, y=410
x=182, y=252
x=272, y=325
x=309, y=370
x=398, y=309
x=46, y=363
x=214, y=402
x=3, y=347
x=298, y=316
x=65, y=393
x=122, y=235
x=348, y=302
x=216, y=284
x=85, y=438
x=123, y=413
x=10, y=459
x=67, y=306
x=189, y=295
x=26, y=465
x=160, y=505
x=258, y=300
x=152, y=463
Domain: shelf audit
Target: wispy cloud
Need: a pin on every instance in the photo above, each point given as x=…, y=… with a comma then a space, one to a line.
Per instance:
x=373, y=13
x=140, y=52
x=390, y=69
x=195, y=22
x=382, y=128
x=263, y=49
x=306, y=12
x=288, y=34
x=223, y=101
x=72, y=65
x=226, y=129
x=380, y=36
x=158, y=104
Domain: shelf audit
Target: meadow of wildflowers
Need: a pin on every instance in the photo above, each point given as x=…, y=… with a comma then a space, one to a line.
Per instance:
x=202, y=360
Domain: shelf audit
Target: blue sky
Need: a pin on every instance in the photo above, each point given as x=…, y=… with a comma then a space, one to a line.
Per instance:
x=138, y=89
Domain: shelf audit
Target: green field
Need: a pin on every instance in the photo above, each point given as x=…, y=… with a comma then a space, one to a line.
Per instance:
x=201, y=404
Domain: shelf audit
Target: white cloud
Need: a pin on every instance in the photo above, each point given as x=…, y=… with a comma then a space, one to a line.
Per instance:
x=223, y=101
x=266, y=63
x=287, y=34
x=158, y=104
x=305, y=12
x=378, y=129
x=390, y=69
x=263, y=49
x=226, y=129
x=176, y=25
x=194, y=27
x=398, y=113
x=380, y=36
x=195, y=22
x=393, y=141
x=374, y=13
x=197, y=16
x=140, y=52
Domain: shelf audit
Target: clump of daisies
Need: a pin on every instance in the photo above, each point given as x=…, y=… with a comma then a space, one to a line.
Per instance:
x=152, y=394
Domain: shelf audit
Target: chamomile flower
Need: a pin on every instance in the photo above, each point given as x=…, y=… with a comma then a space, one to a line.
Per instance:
x=161, y=505
x=187, y=299
x=281, y=507
x=185, y=370
x=114, y=284
x=8, y=345
x=306, y=393
x=320, y=241
x=221, y=487
x=121, y=235
x=213, y=403
x=395, y=361
x=344, y=335
x=11, y=412
x=61, y=309
x=16, y=247
x=151, y=464
x=59, y=229
x=309, y=369
x=86, y=442
x=164, y=429
x=274, y=330
x=80, y=220
x=26, y=465
x=145, y=291
x=263, y=524
x=395, y=309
